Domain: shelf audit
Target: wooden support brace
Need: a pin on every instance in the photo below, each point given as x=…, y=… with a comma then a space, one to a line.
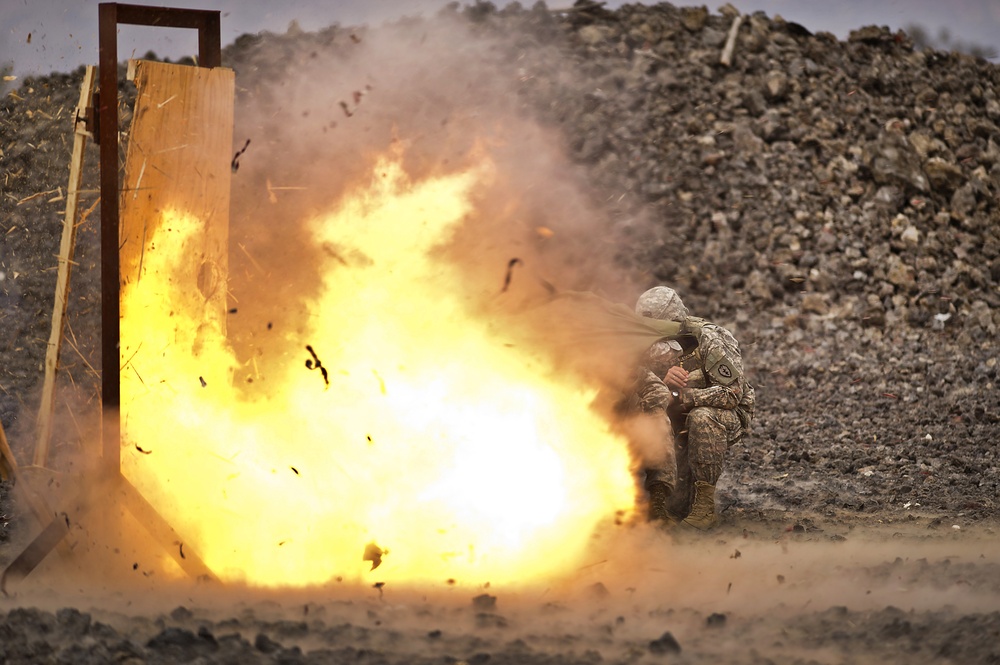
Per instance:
x=10, y=471
x=43, y=428
x=53, y=535
x=57, y=533
x=162, y=532
x=8, y=465
x=37, y=550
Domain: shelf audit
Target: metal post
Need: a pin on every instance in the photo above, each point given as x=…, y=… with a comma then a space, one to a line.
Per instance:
x=111, y=15
x=110, y=285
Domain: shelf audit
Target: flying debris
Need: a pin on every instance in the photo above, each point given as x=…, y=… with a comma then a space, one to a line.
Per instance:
x=315, y=363
x=374, y=554
x=510, y=273
x=236, y=158
x=356, y=97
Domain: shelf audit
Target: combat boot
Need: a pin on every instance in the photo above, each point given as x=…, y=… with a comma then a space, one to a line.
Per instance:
x=702, y=514
x=659, y=497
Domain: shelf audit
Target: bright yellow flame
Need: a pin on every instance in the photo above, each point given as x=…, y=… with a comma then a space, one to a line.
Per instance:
x=462, y=457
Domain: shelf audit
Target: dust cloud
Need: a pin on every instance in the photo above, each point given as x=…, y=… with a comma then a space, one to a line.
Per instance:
x=440, y=99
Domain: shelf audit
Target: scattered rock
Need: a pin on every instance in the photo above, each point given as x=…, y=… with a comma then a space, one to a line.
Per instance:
x=485, y=602
x=666, y=644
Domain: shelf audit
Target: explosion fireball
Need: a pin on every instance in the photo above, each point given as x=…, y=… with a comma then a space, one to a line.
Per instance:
x=405, y=436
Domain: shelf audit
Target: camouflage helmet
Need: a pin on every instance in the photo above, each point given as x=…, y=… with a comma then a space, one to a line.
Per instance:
x=661, y=302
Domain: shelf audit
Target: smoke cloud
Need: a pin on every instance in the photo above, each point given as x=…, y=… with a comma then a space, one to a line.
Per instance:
x=441, y=98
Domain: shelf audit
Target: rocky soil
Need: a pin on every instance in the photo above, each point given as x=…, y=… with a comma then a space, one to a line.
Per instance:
x=836, y=204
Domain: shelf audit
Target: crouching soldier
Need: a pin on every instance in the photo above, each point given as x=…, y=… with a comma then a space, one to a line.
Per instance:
x=695, y=379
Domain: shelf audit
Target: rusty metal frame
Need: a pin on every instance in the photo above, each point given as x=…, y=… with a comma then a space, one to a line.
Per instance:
x=102, y=121
x=111, y=15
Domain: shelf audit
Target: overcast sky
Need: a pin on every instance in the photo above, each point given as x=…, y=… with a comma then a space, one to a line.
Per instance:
x=44, y=36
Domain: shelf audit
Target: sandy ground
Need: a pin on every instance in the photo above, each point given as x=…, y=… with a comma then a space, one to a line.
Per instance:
x=752, y=591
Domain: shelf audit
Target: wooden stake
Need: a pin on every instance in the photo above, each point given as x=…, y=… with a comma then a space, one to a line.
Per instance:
x=43, y=429
x=8, y=465
x=726, y=58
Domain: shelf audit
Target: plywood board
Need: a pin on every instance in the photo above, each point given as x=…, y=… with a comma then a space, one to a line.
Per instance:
x=178, y=164
x=173, y=254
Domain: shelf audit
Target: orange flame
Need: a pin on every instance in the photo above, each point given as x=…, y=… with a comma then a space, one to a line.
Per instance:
x=433, y=443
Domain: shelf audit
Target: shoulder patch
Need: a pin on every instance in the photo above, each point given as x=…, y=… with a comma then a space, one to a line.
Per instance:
x=723, y=372
x=719, y=367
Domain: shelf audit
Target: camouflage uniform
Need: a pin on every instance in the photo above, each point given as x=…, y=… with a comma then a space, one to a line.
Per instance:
x=708, y=416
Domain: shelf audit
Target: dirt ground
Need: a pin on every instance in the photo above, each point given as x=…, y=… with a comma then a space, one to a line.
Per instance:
x=754, y=591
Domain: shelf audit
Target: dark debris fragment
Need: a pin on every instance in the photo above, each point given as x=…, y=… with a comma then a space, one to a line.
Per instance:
x=315, y=363
x=510, y=273
x=373, y=553
x=236, y=158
